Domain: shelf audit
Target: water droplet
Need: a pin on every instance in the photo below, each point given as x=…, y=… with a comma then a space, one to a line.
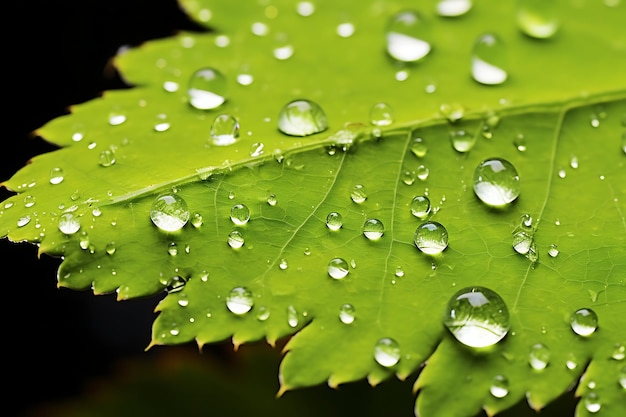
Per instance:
x=591, y=402
x=161, y=124
x=196, y=220
x=399, y=271
x=522, y=242
x=381, y=114
x=245, y=79
x=338, y=268
x=420, y=206
x=225, y=130
x=116, y=118
x=292, y=316
x=462, y=141
x=572, y=362
x=23, y=221
x=29, y=201
x=373, y=229
x=539, y=357
x=538, y=18
x=272, y=200
x=56, y=175
x=520, y=142
x=499, y=386
x=235, y=239
x=207, y=89
x=169, y=212
x=239, y=214
x=477, y=317
x=387, y=352
x=283, y=264
x=422, y=172
x=431, y=238
x=334, y=221
x=584, y=322
x=172, y=249
x=305, y=8
x=622, y=377
x=358, y=194
x=408, y=177
x=407, y=37
x=170, y=86
x=347, y=313
x=302, y=118
x=260, y=29
x=619, y=352
x=453, y=112
x=345, y=30
x=419, y=148
x=452, y=8
x=573, y=162
x=489, y=60
x=239, y=300
x=553, y=250
x=256, y=149
x=263, y=313
x=69, y=224
x=496, y=182
x=107, y=158
x=83, y=240
x=110, y=248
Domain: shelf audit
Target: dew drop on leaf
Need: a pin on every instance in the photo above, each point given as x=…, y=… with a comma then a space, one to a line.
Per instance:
x=418, y=147
x=239, y=214
x=260, y=29
x=116, y=118
x=305, y=8
x=347, y=313
x=207, y=89
x=387, y=352
x=422, y=172
x=553, y=250
x=496, y=182
x=420, y=206
x=196, y=220
x=489, y=60
x=584, y=322
x=477, y=317
x=256, y=149
x=272, y=200
x=345, y=30
x=56, y=175
x=539, y=357
x=381, y=114
x=522, y=242
x=235, y=239
x=161, y=124
x=462, y=141
x=292, y=316
x=169, y=212
x=338, y=268
x=408, y=37
x=520, y=142
x=283, y=49
x=591, y=400
x=302, y=118
x=334, y=221
x=572, y=362
x=172, y=249
x=373, y=229
x=29, y=201
x=239, y=300
x=69, y=224
x=224, y=130
x=283, y=264
x=358, y=194
x=499, y=386
x=622, y=377
x=110, y=248
x=23, y=221
x=431, y=238
x=263, y=313
x=453, y=112
x=107, y=158
x=538, y=18
x=619, y=352
x=452, y=8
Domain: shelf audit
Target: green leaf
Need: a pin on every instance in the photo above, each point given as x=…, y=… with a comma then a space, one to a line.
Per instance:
x=559, y=118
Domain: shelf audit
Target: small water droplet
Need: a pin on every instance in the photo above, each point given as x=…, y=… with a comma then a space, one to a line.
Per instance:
x=584, y=322
x=207, y=89
x=553, y=250
x=591, y=400
x=239, y=214
x=107, y=158
x=387, y=352
x=245, y=79
x=420, y=206
x=453, y=112
x=272, y=200
x=477, y=317
x=358, y=194
x=260, y=29
x=29, y=201
x=496, y=182
x=170, y=86
x=302, y=118
x=399, y=271
x=431, y=238
x=292, y=316
x=619, y=352
x=489, y=60
x=373, y=229
x=418, y=147
x=110, y=248
x=422, y=172
x=283, y=264
x=235, y=239
x=520, y=142
x=169, y=212
x=345, y=30
x=23, y=221
x=499, y=386
x=572, y=362
x=196, y=220
x=538, y=18
x=172, y=249
x=573, y=162
x=381, y=114
x=452, y=8
x=539, y=357
x=522, y=242
x=562, y=173
x=116, y=118
x=256, y=149
x=69, y=224
x=408, y=37
x=183, y=301
x=338, y=268
x=225, y=130
x=56, y=175
x=408, y=177
x=305, y=8
x=347, y=313
x=239, y=300
x=161, y=124
x=83, y=240
x=334, y=221
x=263, y=313
x=462, y=141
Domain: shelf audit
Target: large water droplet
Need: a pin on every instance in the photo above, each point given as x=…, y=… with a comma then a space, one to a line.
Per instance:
x=347, y=313
x=538, y=18
x=334, y=221
x=107, y=158
x=584, y=322
x=539, y=357
x=420, y=206
x=358, y=194
x=338, y=268
x=522, y=242
x=499, y=386
x=477, y=317
x=239, y=214
x=302, y=118
x=169, y=212
x=225, y=130
x=407, y=37
x=69, y=224
x=381, y=114
x=451, y=8
x=373, y=229
x=431, y=238
x=235, y=239
x=207, y=89
x=387, y=352
x=496, y=182
x=489, y=60
x=239, y=300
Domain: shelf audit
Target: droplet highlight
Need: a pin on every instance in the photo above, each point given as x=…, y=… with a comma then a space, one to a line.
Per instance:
x=347, y=314
x=302, y=118
x=420, y=206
